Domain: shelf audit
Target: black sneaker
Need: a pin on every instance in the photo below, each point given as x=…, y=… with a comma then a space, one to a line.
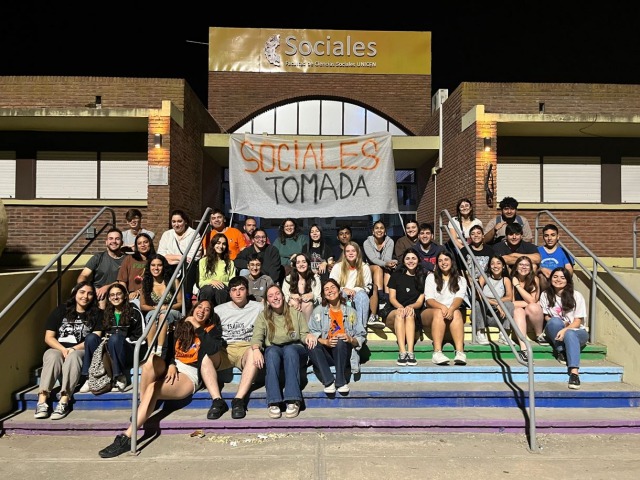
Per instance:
x=120, y=445
x=524, y=356
x=574, y=381
x=402, y=359
x=561, y=357
x=218, y=407
x=237, y=408
x=411, y=359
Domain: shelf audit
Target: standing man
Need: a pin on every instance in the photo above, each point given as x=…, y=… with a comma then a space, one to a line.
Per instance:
x=426, y=248
x=237, y=318
x=134, y=220
x=235, y=240
x=102, y=268
x=514, y=247
x=495, y=229
x=552, y=255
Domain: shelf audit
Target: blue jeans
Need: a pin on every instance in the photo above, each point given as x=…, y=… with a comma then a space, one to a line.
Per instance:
x=573, y=342
x=121, y=353
x=290, y=356
x=91, y=343
x=323, y=357
x=361, y=304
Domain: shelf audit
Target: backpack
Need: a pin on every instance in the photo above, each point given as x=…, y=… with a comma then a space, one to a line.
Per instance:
x=100, y=370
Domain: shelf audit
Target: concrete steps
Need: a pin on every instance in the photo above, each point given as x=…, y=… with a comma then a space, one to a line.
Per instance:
x=490, y=393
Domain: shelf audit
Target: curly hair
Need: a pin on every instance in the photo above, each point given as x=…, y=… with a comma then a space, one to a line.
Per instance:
x=296, y=231
x=147, y=278
x=343, y=300
x=185, y=333
x=127, y=310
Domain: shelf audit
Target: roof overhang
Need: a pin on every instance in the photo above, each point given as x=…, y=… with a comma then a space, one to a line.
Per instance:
x=408, y=152
x=546, y=125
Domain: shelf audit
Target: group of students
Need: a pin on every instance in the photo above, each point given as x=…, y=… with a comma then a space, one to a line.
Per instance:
x=277, y=306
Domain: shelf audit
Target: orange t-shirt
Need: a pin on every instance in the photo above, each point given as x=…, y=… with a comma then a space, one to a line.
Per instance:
x=336, y=327
x=234, y=238
x=190, y=356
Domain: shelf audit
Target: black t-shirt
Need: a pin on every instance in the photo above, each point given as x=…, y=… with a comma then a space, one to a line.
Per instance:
x=405, y=287
x=524, y=247
x=482, y=257
x=72, y=331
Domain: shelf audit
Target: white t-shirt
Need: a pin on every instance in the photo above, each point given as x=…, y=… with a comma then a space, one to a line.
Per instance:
x=352, y=277
x=445, y=297
x=555, y=310
x=237, y=323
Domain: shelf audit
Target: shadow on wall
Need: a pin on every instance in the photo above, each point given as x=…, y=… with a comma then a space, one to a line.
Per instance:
x=4, y=227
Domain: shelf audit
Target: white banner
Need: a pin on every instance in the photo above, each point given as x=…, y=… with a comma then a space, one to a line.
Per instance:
x=272, y=177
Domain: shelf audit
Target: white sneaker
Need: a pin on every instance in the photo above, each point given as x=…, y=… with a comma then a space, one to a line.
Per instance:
x=502, y=339
x=42, y=410
x=375, y=322
x=481, y=339
x=344, y=389
x=460, y=358
x=440, y=358
x=120, y=383
x=85, y=387
x=330, y=388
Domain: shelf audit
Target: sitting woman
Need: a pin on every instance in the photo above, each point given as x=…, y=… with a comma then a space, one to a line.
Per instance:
x=406, y=296
x=354, y=278
x=378, y=250
x=301, y=288
x=155, y=281
x=123, y=323
x=566, y=313
x=290, y=241
x=444, y=293
x=338, y=332
x=198, y=339
x=132, y=267
x=526, y=293
x=319, y=252
x=283, y=333
x=498, y=275
x=214, y=271
x=65, y=333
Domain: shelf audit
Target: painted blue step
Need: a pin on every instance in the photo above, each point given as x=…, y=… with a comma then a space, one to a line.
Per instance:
x=408, y=395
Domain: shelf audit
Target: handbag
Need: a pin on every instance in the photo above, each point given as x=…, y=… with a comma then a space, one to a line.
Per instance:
x=100, y=371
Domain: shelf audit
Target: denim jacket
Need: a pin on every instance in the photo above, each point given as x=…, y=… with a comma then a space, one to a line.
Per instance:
x=320, y=322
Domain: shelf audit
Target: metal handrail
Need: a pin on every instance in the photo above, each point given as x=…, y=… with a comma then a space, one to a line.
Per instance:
x=635, y=242
x=476, y=289
x=203, y=226
x=60, y=271
x=593, y=275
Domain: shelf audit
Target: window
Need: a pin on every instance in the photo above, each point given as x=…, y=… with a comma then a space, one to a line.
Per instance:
x=67, y=175
x=319, y=117
x=630, y=179
x=87, y=175
x=554, y=179
x=7, y=174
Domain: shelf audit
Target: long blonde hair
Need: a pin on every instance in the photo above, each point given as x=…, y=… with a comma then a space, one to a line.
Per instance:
x=269, y=313
x=344, y=266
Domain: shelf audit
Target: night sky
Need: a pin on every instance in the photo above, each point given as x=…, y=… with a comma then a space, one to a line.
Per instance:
x=518, y=43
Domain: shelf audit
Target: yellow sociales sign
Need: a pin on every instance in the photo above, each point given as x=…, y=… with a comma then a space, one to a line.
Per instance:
x=319, y=51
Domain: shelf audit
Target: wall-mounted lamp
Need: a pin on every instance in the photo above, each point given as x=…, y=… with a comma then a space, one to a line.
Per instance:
x=487, y=144
x=157, y=140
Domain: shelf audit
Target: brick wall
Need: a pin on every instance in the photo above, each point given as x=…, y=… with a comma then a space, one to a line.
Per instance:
x=235, y=97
